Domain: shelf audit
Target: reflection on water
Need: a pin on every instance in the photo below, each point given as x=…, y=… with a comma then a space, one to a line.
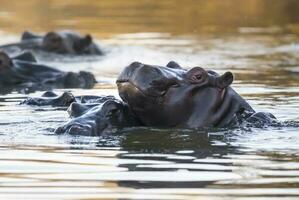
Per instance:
x=244, y=163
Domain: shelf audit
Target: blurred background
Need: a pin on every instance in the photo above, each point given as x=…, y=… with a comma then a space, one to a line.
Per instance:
x=106, y=17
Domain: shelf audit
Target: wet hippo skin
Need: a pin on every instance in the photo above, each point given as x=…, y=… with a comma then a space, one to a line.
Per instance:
x=65, y=99
x=24, y=71
x=174, y=97
x=98, y=119
x=60, y=42
x=90, y=115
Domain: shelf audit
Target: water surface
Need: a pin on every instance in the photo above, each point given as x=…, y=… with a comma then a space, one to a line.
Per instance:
x=261, y=48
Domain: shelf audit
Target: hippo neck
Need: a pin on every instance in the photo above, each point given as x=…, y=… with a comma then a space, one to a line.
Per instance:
x=222, y=109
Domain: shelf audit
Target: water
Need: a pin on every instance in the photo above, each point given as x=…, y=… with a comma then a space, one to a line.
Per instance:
x=261, y=49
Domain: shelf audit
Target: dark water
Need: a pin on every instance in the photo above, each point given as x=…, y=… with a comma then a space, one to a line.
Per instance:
x=257, y=40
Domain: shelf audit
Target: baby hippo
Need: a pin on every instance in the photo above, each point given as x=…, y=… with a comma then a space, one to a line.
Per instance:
x=60, y=42
x=97, y=119
x=23, y=71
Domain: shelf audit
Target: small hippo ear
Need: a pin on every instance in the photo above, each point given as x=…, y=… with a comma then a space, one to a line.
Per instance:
x=196, y=75
x=173, y=65
x=82, y=43
x=27, y=35
x=87, y=40
x=225, y=80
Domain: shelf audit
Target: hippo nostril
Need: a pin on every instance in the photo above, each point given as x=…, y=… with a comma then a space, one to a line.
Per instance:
x=59, y=130
x=75, y=127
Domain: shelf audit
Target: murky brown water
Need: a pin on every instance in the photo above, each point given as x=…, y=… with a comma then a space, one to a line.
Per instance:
x=256, y=39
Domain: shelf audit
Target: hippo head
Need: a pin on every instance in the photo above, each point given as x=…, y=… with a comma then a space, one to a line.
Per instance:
x=96, y=119
x=173, y=97
x=51, y=99
x=68, y=42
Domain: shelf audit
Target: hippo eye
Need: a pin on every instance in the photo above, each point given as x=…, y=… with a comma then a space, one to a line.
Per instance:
x=112, y=112
x=175, y=85
x=196, y=75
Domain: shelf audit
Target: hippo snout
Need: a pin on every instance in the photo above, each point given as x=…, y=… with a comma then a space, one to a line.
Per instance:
x=75, y=129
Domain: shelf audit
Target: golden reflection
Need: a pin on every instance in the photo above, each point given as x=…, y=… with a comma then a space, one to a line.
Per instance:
x=107, y=17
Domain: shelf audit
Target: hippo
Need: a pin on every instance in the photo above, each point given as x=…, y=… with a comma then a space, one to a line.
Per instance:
x=90, y=115
x=60, y=42
x=50, y=98
x=23, y=71
x=175, y=97
x=98, y=118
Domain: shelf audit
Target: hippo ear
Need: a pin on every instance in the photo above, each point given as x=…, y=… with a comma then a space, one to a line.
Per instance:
x=81, y=44
x=87, y=40
x=173, y=65
x=5, y=61
x=27, y=35
x=196, y=75
x=84, y=42
x=225, y=80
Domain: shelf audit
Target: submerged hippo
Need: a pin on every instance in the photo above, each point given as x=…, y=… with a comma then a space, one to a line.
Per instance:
x=98, y=118
x=50, y=98
x=22, y=71
x=90, y=115
x=174, y=97
x=61, y=42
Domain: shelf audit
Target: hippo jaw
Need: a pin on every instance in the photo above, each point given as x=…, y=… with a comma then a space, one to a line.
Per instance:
x=193, y=98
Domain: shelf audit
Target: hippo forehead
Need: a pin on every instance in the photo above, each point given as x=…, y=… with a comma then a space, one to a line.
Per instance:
x=149, y=72
x=146, y=76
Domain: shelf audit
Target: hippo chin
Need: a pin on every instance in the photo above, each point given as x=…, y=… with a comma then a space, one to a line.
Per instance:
x=22, y=71
x=174, y=97
x=97, y=119
x=60, y=42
